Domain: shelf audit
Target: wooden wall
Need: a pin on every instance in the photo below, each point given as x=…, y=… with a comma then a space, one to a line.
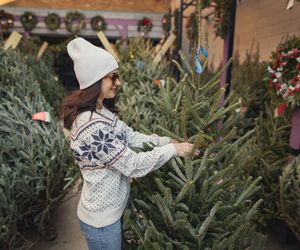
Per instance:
x=259, y=24
x=159, y=6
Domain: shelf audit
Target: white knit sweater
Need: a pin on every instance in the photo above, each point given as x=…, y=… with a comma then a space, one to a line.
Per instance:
x=102, y=146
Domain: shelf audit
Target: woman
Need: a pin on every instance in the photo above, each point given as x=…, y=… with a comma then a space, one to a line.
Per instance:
x=102, y=146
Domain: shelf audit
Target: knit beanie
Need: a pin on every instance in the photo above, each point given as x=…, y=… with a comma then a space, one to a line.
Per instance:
x=91, y=63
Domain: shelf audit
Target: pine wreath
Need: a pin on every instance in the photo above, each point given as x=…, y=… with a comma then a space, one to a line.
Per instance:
x=75, y=22
x=98, y=23
x=29, y=20
x=145, y=25
x=6, y=20
x=166, y=23
x=52, y=21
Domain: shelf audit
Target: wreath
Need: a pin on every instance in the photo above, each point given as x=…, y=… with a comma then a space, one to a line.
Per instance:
x=166, y=23
x=75, y=22
x=6, y=20
x=98, y=23
x=284, y=72
x=52, y=21
x=221, y=15
x=29, y=20
x=145, y=25
x=222, y=10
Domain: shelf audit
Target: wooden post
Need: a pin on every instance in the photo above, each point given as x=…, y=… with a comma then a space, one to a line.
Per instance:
x=290, y=4
x=164, y=48
x=108, y=46
x=13, y=40
x=159, y=45
x=42, y=50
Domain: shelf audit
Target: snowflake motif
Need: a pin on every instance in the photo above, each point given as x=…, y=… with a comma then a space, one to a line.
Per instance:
x=122, y=137
x=86, y=152
x=103, y=142
x=77, y=156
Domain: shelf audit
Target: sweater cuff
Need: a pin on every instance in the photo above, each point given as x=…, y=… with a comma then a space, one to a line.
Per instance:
x=169, y=151
x=164, y=140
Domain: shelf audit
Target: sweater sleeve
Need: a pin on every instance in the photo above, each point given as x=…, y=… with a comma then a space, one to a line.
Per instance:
x=107, y=148
x=137, y=139
x=134, y=165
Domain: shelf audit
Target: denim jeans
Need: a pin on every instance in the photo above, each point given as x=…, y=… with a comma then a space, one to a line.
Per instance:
x=103, y=238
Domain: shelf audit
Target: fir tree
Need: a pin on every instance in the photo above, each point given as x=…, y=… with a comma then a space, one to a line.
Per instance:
x=289, y=199
x=247, y=84
x=138, y=72
x=270, y=151
x=36, y=163
x=201, y=203
x=50, y=85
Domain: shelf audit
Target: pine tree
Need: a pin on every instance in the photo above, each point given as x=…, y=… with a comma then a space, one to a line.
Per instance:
x=289, y=199
x=201, y=203
x=139, y=72
x=50, y=85
x=36, y=163
x=270, y=152
x=247, y=84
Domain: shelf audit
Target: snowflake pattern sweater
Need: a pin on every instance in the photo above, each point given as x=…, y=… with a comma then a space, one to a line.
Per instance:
x=102, y=145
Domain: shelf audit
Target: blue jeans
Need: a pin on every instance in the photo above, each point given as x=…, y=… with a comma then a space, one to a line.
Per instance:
x=103, y=238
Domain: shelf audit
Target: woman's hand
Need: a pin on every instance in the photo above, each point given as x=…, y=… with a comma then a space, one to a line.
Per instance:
x=184, y=148
x=172, y=140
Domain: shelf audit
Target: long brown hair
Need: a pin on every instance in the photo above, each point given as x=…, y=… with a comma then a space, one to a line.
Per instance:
x=80, y=101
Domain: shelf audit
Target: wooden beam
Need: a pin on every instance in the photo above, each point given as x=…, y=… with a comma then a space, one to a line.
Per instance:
x=13, y=40
x=3, y=2
x=108, y=46
x=164, y=48
x=42, y=50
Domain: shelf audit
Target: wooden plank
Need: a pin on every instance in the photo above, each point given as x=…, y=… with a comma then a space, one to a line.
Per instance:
x=159, y=45
x=42, y=50
x=13, y=40
x=3, y=2
x=115, y=50
x=164, y=48
x=290, y=4
x=107, y=45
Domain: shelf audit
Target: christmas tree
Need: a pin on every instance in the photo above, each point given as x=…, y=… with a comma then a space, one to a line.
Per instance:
x=196, y=203
x=36, y=163
x=51, y=87
x=247, y=84
x=271, y=152
x=289, y=199
x=140, y=75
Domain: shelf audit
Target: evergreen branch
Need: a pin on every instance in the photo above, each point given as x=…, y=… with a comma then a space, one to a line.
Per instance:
x=216, y=104
x=182, y=193
x=177, y=170
x=222, y=111
x=205, y=225
x=253, y=210
x=164, y=210
x=185, y=63
x=202, y=165
x=142, y=204
x=170, y=134
x=249, y=190
x=178, y=180
x=161, y=187
x=216, y=77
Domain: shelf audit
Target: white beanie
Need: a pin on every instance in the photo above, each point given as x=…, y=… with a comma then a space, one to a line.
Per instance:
x=91, y=63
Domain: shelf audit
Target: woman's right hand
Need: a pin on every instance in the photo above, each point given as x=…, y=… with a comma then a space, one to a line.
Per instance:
x=184, y=148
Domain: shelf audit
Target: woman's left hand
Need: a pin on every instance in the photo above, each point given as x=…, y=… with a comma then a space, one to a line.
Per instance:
x=172, y=140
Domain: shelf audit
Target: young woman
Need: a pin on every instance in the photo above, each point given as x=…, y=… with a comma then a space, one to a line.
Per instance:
x=102, y=146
